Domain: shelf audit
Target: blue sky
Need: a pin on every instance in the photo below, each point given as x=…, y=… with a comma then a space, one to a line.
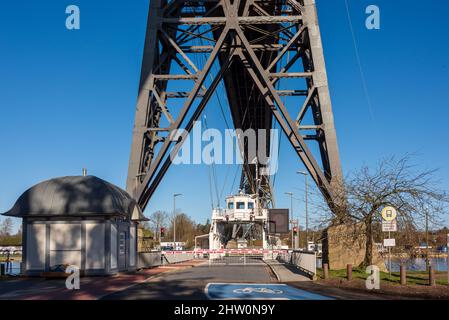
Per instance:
x=67, y=98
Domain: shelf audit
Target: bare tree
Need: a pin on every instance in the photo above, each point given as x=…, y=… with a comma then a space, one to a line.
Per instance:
x=20, y=230
x=158, y=220
x=396, y=183
x=187, y=229
x=6, y=227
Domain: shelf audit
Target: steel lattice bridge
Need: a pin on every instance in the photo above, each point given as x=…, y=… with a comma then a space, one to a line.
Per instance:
x=268, y=56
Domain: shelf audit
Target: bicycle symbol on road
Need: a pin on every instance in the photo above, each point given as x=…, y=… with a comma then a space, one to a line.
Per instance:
x=258, y=290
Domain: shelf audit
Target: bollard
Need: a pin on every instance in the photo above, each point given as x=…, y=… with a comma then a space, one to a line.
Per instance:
x=403, y=275
x=2, y=269
x=349, y=272
x=432, y=281
x=326, y=271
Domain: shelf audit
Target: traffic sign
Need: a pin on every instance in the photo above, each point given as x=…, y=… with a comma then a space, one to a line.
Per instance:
x=389, y=226
x=389, y=243
x=389, y=214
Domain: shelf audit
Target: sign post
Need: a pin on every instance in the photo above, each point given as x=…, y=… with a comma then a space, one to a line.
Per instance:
x=389, y=256
x=389, y=224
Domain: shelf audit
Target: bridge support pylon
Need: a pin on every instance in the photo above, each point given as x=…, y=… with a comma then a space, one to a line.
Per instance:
x=269, y=56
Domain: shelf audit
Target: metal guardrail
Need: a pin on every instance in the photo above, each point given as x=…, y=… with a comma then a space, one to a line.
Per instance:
x=236, y=258
x=156, y=258
x=303, y=260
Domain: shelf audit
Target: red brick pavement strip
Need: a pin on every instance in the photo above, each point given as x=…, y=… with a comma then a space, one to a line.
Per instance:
x=94, y=288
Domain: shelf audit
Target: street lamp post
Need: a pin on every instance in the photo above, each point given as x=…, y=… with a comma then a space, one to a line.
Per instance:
x=174, y=218
x=292, y=218
x=447, y=248
x=427, y=241
x=307, y=205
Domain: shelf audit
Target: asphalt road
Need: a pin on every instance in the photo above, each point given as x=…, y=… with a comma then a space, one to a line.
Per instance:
x=189, y=284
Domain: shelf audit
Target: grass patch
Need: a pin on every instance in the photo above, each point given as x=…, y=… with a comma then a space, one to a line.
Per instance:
x=413, y=277
x=15, y=258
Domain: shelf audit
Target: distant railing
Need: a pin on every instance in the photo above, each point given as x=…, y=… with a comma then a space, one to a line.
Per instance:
x=238, y=214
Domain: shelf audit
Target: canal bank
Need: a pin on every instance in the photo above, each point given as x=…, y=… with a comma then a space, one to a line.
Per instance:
x=439, y=263
x=417, y=286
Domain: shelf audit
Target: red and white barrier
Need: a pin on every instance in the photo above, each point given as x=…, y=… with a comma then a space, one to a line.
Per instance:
x=226, y=251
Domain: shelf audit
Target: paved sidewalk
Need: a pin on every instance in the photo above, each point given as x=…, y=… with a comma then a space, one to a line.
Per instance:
x=286, y=273
x=91, y=288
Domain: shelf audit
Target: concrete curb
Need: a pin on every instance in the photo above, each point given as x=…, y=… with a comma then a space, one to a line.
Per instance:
x=274, y=271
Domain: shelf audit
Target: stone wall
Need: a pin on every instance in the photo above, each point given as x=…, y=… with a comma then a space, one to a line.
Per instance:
x=345, y=244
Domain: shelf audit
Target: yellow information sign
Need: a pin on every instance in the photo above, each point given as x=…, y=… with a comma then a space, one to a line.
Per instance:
x=389, y=214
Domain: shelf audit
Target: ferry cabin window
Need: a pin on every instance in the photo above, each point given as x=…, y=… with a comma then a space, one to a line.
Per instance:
x=240, y=205
x=230, y=205
x=250, y=205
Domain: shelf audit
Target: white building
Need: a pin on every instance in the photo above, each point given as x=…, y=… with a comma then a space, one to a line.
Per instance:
x=169, y=246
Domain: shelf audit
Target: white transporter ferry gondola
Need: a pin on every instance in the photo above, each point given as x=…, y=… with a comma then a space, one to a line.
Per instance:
x=242, y=223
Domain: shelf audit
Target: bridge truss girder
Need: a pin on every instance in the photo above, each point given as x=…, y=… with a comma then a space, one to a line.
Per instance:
x=198, y=42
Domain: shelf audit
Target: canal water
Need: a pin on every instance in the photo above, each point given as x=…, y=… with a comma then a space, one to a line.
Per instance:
x=13, y=268
x=418, y=264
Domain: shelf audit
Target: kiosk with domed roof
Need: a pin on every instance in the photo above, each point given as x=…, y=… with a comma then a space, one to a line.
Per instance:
x=78, y=220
